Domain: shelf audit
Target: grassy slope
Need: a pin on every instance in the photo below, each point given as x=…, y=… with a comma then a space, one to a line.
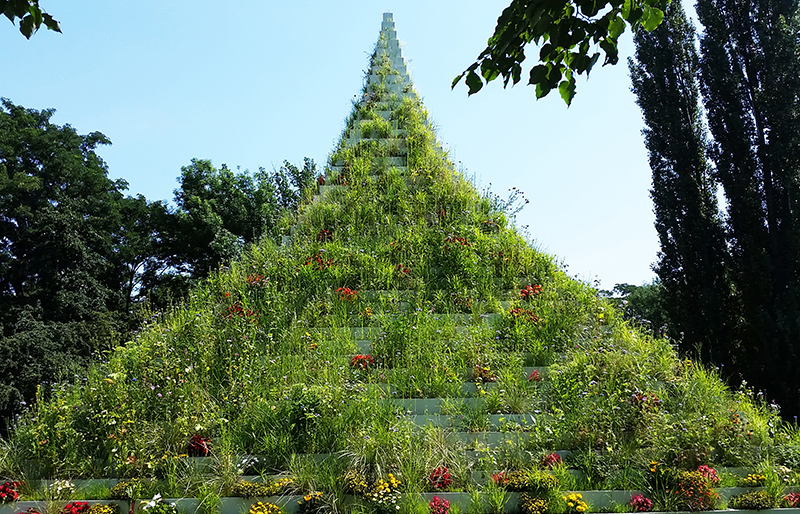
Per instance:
x=258, y=359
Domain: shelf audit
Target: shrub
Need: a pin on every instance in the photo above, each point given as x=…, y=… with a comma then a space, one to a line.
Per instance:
x=542, y=482
x=356, y=482
x=754, y=500
x=516, y=480
x=693, y=491
x=532, y=504
x=126, y=490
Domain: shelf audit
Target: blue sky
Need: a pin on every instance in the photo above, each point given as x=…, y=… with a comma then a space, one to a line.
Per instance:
x=255, y=83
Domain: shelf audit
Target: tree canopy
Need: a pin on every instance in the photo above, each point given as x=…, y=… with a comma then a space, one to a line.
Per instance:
x=567, y=32
x=731, y=281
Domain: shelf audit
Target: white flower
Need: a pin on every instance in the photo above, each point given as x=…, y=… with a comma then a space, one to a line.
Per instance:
x=152, y=503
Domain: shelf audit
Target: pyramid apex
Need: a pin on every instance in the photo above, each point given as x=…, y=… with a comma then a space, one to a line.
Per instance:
x=388, y=21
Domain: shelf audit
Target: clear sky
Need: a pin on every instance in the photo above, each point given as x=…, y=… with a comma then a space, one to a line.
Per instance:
x=252, y=83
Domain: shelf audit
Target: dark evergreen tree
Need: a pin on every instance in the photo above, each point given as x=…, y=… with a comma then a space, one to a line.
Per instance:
x=692, y=260
x=750, y=78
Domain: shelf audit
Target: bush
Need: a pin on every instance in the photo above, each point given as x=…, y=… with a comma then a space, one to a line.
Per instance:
x=532, y=504
x=754, y=500
x=694, y=492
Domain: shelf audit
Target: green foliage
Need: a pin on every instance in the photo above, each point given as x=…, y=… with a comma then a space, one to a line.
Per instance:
x=645, y=305
x=564, y=31
x=77, y=256
x=30, y=16
x=753, y=500
x=694, y=286
x=730, y=284
x=399, y=265
x=60, y=270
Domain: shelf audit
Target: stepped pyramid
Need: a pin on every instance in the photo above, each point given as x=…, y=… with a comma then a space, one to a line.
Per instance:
x=403, y=342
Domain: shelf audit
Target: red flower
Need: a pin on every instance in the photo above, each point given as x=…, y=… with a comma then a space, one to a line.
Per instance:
x=362, y=361
x=710, y=474
x=8, y=492
x=535, y=376
x=318, y=262
x=499, y=479
x=525, y=314
x=256, y=280
x=75, y=508
x=641, y=503
x=198, y=446
x=440, y=478
x=530, y=291
x=347, y=294
x=439, y=506
x=551, y=460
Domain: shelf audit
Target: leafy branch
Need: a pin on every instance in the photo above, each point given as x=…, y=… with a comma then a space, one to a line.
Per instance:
x=30, y=15
x=565, y=31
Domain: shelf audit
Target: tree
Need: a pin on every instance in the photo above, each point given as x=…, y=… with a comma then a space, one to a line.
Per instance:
x=733, y=290
x=646, y=305
x=565, y=31
x=750, y=80
x=220, y=212
x=692, y=265
x=60, y=294
x=30, y=16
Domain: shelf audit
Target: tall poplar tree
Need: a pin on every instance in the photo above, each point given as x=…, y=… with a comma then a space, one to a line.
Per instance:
x=692, y=260
x=750, y=80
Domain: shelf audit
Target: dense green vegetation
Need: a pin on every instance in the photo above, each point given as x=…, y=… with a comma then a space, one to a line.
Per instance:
x=78, y=259
x=731, y=280
x=400, y=283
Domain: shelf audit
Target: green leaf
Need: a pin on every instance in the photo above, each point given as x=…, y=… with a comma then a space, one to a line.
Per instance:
x=19, y=7
x=652, y=18
x=626, y=9
x=37, y=15
x=50, y=23
x=473, y=82
x=538, y=74
x=567, y=90
x=489, y=70
x=26, y=26
x=456, y=81
x=616, y=27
